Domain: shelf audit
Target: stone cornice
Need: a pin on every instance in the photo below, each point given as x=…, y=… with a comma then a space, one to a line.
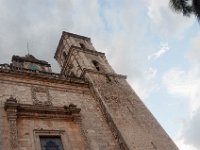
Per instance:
x=102, y=73
x=43, y=76
x=76, y=35
x=87, y=50
x=40, y=111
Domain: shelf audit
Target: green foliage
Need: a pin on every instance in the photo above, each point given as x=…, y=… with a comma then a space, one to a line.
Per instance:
x=196, y=8
x=181, y=6
x=186, y=7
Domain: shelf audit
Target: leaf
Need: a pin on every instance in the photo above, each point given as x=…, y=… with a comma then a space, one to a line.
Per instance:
x=196, y=8
x=181, y=6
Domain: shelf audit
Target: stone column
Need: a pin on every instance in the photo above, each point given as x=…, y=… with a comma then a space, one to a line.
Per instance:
x=11, y=109
x=78, y=121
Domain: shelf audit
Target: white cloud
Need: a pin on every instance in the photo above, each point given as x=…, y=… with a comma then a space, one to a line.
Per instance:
x=151, y=73
x=188, y=136
x=166, y=22
x=182, y=146
x=191, y=132
x=186, y=83
x=146, y=84
x=164, y=48
x=117, y=29
x=193, y=54
x=39, y=23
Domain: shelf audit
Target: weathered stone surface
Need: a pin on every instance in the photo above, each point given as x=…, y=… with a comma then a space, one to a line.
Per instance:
x=92, y=130
x=87, y=105
x=134, y=122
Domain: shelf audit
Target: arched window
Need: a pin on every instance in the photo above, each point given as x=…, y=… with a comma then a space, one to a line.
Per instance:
x=96, y=64
x=82, y=45
x=64, y=55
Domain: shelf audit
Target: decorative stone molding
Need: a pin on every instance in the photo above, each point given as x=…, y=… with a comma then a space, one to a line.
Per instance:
x=102, y=73
x=11, y=108
x=20, y=72
x=78, y=120
x=116, y=133
x=15, y=110
x=13, y=133
x=44, y=93
x=66, y=112
x=37, y=133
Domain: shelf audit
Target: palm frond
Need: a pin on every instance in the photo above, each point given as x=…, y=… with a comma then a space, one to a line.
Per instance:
x=181, y=6
x=196, y=8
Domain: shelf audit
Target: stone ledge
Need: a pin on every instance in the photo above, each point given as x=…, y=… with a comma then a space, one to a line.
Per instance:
x=102, y=73
x=22, y=72
x=41, y=111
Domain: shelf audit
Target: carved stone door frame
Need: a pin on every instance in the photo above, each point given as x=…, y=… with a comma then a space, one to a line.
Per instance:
x=51, y=133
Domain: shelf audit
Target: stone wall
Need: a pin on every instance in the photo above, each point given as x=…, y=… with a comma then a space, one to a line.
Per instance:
x=134, y=125
x=29, y=128
x=90, y=132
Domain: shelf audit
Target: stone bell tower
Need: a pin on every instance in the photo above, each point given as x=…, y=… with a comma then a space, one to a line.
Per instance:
x=131, y=123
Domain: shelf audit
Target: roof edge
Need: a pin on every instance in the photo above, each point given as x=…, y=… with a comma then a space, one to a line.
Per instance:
x=69, y=34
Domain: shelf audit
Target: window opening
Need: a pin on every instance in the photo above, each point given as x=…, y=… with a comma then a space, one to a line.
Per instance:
x=82, y=45
x=64, y=55
x=96, y=64
x=51, y=143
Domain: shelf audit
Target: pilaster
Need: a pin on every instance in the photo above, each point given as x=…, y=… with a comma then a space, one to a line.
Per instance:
x=11, y=108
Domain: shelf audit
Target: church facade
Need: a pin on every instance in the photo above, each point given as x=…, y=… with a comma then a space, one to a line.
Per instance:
x=87, y=106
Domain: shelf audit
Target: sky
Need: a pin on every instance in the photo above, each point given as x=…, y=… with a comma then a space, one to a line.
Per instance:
x=156, y=48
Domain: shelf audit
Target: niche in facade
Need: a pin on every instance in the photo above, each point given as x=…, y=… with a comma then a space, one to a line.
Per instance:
x=64, y=55
x=96, y=64
x=82, y=45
